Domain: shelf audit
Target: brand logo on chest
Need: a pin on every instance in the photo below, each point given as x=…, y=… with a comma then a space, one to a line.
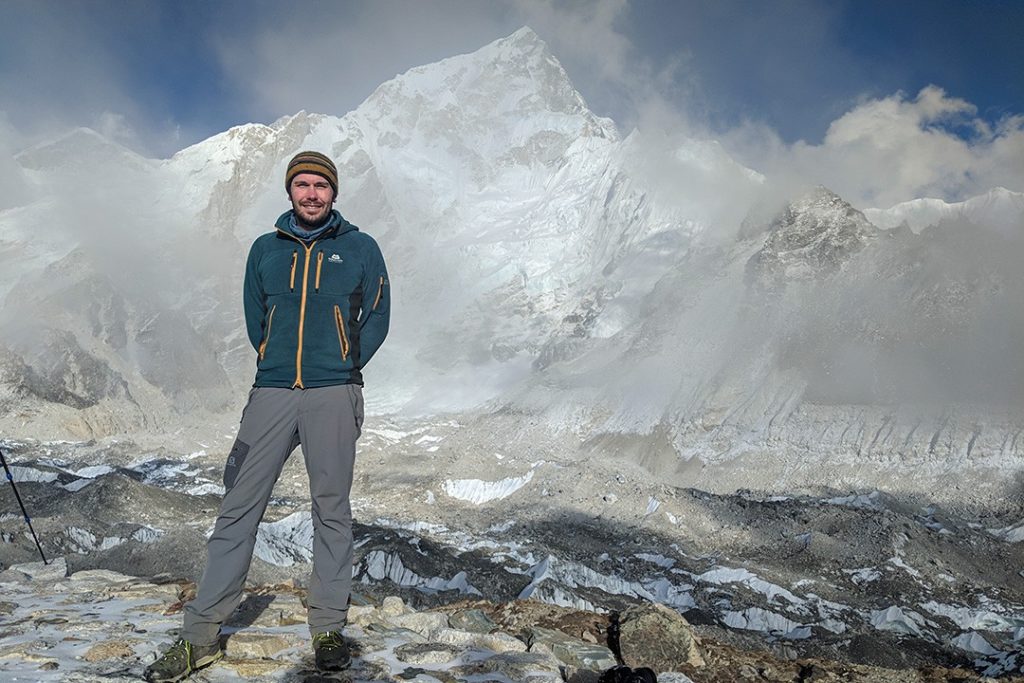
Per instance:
x=334, y=258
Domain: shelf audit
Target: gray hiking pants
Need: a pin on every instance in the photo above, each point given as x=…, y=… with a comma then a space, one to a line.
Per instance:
x=327, y=422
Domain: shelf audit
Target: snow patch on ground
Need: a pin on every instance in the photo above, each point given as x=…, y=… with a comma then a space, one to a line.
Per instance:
x=970, y=619
x=93, y=471
x=757, y=619
x=724, y=575
x=21, y=474
x=477, y=491
x=1010, y=534
x=552, y=570
x=974, y=642
x=863, y=575
x=867, y=501
x=381, y=565
x=660, y=560
x=897, y=620
x=204, y=489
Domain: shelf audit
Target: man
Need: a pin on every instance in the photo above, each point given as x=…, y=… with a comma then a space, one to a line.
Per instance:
x=316, y=301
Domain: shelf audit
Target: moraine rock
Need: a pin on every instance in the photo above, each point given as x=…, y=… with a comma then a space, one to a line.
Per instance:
x=571, y=651
x=657, y=637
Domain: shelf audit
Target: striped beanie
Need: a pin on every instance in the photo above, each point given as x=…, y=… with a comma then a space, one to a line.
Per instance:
x=311, y=162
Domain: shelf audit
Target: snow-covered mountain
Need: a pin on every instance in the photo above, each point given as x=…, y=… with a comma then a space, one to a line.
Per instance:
x=998, y=208
x=542, y=264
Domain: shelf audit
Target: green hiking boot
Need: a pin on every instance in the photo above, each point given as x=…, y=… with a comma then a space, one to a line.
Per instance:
x=331, y=650
x=182, y=660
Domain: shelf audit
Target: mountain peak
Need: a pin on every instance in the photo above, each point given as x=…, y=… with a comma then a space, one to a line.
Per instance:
x=511, y=90
x=523, y=37
x=79, y=148
x=811, y=238
x=524, y=41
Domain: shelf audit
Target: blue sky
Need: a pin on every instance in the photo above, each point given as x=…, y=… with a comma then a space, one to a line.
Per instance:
x=158, y=76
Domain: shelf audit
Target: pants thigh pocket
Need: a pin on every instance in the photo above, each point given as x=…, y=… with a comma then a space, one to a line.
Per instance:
x=235, y=459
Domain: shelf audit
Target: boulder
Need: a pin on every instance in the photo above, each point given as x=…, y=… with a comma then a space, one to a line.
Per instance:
x=657, y=637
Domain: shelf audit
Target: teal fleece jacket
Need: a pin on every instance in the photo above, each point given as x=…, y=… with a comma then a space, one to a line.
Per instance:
x=315, y=312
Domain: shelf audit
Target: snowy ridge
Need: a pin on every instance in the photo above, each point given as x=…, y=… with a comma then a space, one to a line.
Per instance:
x=998, y=208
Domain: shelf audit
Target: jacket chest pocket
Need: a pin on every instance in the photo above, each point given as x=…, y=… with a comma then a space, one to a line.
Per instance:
x=334, y=274
x=281, y=271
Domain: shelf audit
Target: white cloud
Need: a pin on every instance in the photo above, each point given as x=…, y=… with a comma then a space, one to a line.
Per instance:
x=12, y=181
x=884, y=151
x=583, y=33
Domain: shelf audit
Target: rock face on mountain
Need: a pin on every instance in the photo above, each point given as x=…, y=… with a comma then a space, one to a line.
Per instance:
x=542, y=265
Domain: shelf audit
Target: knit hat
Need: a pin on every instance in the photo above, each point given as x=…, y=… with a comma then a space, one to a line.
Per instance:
x=311, y=162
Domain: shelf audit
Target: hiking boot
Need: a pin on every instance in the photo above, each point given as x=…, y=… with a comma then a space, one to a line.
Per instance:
x=332, y=653
x=182, y=660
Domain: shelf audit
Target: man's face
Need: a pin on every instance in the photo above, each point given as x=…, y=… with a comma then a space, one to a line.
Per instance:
x=311, y=197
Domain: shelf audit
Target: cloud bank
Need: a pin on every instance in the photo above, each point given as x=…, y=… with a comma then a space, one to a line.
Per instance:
x=884, y=151
x=677, y=71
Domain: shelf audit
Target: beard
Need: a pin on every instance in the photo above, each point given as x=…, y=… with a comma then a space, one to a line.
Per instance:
x=311, y=215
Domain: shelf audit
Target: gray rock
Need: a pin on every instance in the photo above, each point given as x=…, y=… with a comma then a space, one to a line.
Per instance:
x=572, y=651
x=496, y=642
x=102, y=577
x=473, y=620
x=55, y=570
x=427, y=653
x=657, y=637
x=283, y=610
x=424, y=623
x=454, y=636
x=393, y=606
x=574, y=675
x=363, y=614
x=14, y=576
x=256, y=645
x=389, y=631
x=525, y=667
x=500, y=642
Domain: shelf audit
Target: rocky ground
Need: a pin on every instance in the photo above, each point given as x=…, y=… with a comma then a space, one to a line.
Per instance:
x=848, y=581
x=100, y=625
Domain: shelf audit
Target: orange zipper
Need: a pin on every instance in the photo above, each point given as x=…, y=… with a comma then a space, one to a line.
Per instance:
x=302, y=316
x=319, y=262
x=295, y=259
x=266, y=337
x=380, y=292
x=342, y=337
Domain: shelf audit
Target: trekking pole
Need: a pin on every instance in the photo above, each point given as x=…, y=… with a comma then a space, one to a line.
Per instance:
x=17, y=495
